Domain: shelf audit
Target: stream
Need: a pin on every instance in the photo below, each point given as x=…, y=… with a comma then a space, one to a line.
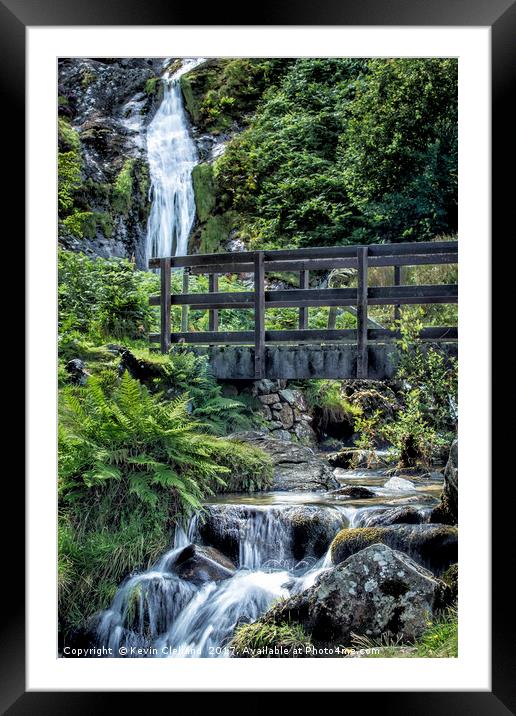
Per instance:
x=280, y=544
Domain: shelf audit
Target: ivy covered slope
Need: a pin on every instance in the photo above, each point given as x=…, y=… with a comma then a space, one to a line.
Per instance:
x=140, y=435
x=323, y=151
x=104, y=106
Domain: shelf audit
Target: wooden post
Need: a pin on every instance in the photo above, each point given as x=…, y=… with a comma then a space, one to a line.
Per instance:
x=397, y=282
x=303, y=312
x=259, y=316
x=184, y=309
x=213, y=320
x=362, y=357
x=332, y=317
x=164, y=265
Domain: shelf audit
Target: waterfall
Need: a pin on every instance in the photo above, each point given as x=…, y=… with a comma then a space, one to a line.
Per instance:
x=172, y=155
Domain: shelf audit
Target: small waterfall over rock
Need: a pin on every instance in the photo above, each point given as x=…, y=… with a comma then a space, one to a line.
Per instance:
x=172, y=155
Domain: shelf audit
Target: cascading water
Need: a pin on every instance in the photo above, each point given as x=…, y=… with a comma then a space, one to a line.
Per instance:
x=172, y=155
x=280, y=545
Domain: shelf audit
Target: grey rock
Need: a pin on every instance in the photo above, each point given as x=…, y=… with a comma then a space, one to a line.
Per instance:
x=353, y=492
x=393, y=516
x=282, y=435
x=296, y=467
x=447, y=511
x=376, y=592
x=198, y=564
x=269, y=399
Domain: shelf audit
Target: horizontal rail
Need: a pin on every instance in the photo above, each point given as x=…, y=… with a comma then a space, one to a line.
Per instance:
x=316, y=253
x=327, y=264
x=308, y=335
x=300, y=297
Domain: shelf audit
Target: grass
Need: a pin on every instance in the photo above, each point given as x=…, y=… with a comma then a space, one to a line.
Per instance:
x=261, y=639
x=439, y=641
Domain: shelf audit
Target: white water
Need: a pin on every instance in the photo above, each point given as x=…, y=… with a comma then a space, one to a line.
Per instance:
x=172, y=155
x=165, y=616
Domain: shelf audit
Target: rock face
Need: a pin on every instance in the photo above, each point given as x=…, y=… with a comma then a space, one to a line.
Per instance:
x=296, y=467
x=202, y=564
x=106, y=105
x=374, y=592
x=447, y=511
x=433, y=546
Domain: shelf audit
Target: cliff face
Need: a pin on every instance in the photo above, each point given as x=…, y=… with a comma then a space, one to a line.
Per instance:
x=105, y=106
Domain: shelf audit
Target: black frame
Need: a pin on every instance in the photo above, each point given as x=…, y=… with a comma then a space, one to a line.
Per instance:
x=500, y=16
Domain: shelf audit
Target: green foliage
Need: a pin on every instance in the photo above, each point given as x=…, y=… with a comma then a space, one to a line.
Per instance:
x=84, y=224
x=411, y=436
x=329, y=404
x=220, y=91
x=123, y=188
x=69, y=165
x=342, y=151
x=399, y=151
x=250, y=469
x=103, y=297
x=260, y=639
x=125, y=442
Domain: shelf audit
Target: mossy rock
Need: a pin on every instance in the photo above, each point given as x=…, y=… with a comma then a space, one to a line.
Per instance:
x=204, y=190
x=215, y=232
x=451, y=577
x=432, y=546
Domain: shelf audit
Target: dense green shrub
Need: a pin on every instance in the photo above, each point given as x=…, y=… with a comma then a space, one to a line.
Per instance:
x=103, y=297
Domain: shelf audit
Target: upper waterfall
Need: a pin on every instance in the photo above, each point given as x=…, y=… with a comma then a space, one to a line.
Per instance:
x=171, y=155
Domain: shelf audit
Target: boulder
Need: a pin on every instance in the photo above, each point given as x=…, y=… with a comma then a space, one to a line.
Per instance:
x=296, y=467
x=375, y=592
x=433, y=546
x=348, y=458
x=285, y=415
x=404, y=515
x=77, y=371
x=202, y=564
x=305, y=433
x=447, y=511
x=356, y=492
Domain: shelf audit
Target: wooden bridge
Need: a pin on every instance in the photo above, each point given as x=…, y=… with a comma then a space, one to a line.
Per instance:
x=302, y=353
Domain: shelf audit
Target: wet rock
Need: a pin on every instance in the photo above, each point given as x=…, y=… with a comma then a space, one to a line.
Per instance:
x=374, y=592
x=77, y=371
x=451, y=578
x=433, y=546
x=202, y=564
x=394, y=516
x=269, y=398
x=447, y=511
x=296, y=467
x=353, y=492
x=312, y=529
x=354, y=457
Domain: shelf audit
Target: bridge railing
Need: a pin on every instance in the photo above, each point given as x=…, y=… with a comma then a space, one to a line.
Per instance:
x=302, y=261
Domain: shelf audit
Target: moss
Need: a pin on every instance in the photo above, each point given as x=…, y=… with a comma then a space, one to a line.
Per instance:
x=215, y=232
x=351, y=540
x=187, y=87
x=123, y=188
x=451, y=578
x=205, y=190
x=151, y=86
x=84, y=224
x=87, y=78
x=264, y=640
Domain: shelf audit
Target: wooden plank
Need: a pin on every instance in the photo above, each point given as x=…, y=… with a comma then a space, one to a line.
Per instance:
x=184, y=307
x=297, y=297
x=213, y=320
x=362, y=359
x=397, y=282
x=165, y=305
x=324, y=252
x=314, y=264
x=259, y=316
x=311, y=335
x=304, y=283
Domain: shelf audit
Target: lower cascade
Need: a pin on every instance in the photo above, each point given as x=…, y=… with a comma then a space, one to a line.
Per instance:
x=231, y=565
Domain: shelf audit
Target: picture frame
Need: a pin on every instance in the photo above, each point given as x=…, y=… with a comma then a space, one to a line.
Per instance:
x=15, y=17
